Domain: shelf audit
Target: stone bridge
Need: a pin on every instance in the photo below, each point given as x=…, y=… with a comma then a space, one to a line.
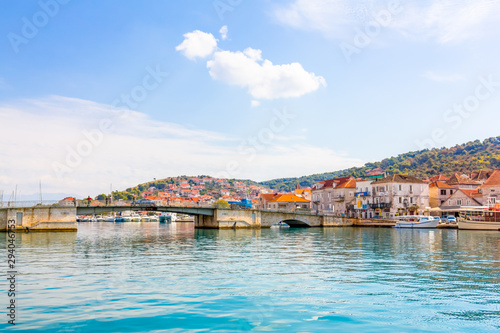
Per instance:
x=64, y=218
x=228, y=218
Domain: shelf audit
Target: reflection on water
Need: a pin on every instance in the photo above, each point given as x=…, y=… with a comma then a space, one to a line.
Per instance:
x=140, y=277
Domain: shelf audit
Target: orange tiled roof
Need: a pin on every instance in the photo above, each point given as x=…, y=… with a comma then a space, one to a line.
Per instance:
x=399, y=179
x=494, y=179
x=351, y=183
x=440, y=185
x=470, y=192
x=457, y=179
x=302, y=190
x=289, y=198
x=439, y=178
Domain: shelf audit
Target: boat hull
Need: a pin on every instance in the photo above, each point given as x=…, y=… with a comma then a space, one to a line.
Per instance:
x=478, y=225
x=432, y=224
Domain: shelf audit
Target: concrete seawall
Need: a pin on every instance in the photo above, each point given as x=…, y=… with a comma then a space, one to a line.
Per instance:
x=40, y=218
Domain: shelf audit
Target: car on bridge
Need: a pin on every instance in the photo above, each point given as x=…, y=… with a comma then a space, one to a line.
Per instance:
x=143, y=203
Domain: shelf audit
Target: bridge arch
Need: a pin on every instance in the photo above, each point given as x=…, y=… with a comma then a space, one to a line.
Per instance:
x=294, y=223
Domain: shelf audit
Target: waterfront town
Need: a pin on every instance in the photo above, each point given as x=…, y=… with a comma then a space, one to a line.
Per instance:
x=377, y=195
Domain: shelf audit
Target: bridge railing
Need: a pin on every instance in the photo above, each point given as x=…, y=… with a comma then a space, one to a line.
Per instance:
x=28, y=204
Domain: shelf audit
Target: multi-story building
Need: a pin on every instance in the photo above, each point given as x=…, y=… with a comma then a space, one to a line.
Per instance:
x=322, y=196
x=490, y=190
x=439, y=192
x=399, y=195
x=363, y=202
x=462, y=197
x=343, y=197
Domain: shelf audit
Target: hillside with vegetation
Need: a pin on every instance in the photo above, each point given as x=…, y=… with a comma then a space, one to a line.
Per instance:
x=464, y=158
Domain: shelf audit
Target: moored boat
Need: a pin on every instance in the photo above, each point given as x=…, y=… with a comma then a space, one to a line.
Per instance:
x=417, y=222
x=480, y=219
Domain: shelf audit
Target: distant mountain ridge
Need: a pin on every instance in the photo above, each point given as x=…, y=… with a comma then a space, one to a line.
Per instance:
x=464, y=158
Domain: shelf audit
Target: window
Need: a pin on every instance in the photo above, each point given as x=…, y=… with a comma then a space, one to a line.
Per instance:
x=400, y=187
x=411, y=188
x=351, y=194
x=400, y=200
x=449, y=202
x=468, y=202
x=443, y=192
x=459, y=202
x=411, y=200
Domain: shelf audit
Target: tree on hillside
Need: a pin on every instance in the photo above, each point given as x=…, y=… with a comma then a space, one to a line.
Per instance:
x=221, y=204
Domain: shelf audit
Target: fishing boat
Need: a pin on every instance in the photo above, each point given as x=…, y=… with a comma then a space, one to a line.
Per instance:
x=480, y=218
x=417, y=222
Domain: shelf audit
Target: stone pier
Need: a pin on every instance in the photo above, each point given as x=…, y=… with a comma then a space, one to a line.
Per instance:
x=40, y=218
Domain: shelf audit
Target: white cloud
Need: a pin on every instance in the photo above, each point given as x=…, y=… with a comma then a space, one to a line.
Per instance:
x=247, y=69
x=255, y=103
x=136, y=149
x=262, y=79
x=197, y=44
x=223, y=32
x=442, y=78
x=443, y=20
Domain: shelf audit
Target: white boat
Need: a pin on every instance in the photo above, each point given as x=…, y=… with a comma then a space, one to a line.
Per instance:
x=280, y=225
x=134, y=217
x=480, y=219
x=154, y=218
x=145, y=218
x=125, y=217
x=417, y=222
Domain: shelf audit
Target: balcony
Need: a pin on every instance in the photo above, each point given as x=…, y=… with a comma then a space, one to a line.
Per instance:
x=380, y=205
x=339, y=198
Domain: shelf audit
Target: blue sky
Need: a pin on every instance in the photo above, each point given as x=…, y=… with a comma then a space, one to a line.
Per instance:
x=247, y=89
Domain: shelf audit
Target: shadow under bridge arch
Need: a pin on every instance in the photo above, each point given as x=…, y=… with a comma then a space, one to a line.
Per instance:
x=294, y=223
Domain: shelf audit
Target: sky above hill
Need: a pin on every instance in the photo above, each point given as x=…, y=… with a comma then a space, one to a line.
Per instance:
x=101, y=94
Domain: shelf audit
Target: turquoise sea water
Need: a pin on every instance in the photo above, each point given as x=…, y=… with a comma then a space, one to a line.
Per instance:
x=150, y=277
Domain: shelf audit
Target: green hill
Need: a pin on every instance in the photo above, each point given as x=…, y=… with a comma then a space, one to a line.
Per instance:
x=464, y=158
